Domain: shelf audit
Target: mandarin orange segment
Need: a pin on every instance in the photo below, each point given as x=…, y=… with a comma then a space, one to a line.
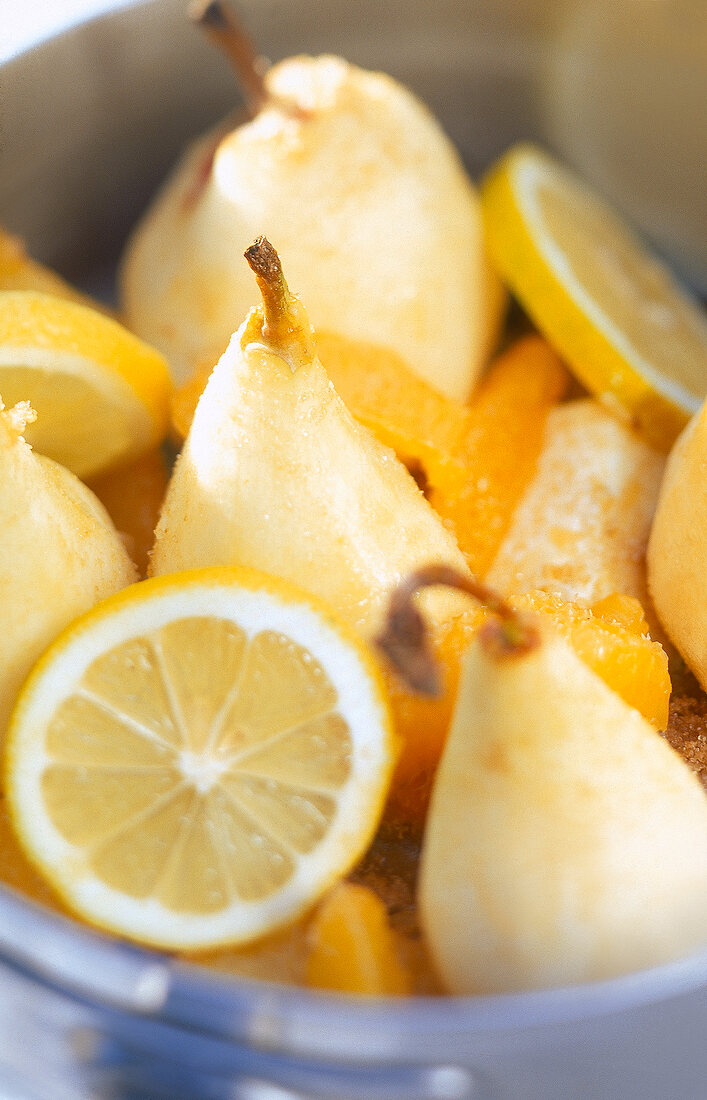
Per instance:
x=133, y=495
x=612, y=639
x=500, y=448
x=404, y=412
x=353, y=947
x=626, y=610
x=422, y=722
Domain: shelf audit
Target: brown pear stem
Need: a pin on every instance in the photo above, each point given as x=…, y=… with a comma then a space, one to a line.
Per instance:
x=285, y=328
x=265, y=264
x=404, y=639
x=225, y=31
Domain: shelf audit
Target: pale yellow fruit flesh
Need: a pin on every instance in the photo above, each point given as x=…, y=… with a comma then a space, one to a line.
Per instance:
x=632, y=335
x=59, y=555
x=101, y=395
x=581, y=528
x=277, y=475
x=177, y=795
x=377, y=224
x=566, y=841
x=677, y=576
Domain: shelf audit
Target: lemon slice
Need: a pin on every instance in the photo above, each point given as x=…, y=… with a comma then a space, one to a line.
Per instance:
x=633, y=337
x=197, y=759
x=101, y=395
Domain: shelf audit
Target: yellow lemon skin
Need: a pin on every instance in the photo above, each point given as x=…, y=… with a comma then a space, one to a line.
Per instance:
x=102, y=396
x=195, y=761
x=631, y=334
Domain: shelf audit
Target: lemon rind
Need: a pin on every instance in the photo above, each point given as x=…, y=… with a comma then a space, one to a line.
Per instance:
x=225, y=592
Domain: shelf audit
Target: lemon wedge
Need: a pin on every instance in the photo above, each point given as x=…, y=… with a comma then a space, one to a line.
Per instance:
x=101, y=395
x=196, y=760
x=632, y=336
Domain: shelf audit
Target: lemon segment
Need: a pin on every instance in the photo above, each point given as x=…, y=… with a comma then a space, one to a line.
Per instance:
x=632, y=336
x=196, y=760
x=101, y=395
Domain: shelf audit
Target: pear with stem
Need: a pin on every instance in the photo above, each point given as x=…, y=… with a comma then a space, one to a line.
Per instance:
x=566, y=841
x=374, y=216
x=276, y=474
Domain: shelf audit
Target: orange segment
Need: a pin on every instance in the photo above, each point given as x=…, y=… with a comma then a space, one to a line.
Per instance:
x=133, y=496
x=422, y=723
x=625, y=610
x=419, y=424
x=500, y=448
x=185, y=399
x=353, y=947
x=612, y=638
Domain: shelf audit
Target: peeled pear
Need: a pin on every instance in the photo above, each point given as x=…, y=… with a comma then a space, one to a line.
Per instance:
x=59, y=553
x=276, y=474
x=677, y=577
x=566, y=841
x=581, y=527
x=376, y=221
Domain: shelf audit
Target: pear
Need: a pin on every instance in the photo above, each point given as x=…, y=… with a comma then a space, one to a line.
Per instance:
x=677, y=578
x=566, y=841
x=59, y=553
x=581, y=527
x=374, y=216
x=276, y=474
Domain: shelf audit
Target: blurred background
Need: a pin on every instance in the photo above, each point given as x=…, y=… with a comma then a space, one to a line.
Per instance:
x=618, y=88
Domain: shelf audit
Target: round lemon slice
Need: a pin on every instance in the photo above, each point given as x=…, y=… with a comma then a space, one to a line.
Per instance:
x=101, y=395
x=633, y=337
x=196, y=760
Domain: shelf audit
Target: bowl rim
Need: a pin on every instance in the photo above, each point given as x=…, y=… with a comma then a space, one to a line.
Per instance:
x=86, y=963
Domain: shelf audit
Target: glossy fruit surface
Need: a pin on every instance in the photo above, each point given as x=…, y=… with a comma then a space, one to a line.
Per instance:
x=613, y=311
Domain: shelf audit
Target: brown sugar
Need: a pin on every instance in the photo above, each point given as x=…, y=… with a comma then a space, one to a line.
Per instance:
x=687, y=731
x=390, y=869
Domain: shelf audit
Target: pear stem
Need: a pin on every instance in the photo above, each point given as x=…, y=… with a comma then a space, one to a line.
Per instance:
x=404, y=639
x=285, y=328
x=225, y=31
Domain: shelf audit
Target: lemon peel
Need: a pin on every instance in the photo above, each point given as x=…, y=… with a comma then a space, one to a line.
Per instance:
x=630, y=333
x=196, y=760
x=101, y=395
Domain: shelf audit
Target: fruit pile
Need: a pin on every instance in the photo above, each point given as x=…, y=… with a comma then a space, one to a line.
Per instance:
x=339, y=644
